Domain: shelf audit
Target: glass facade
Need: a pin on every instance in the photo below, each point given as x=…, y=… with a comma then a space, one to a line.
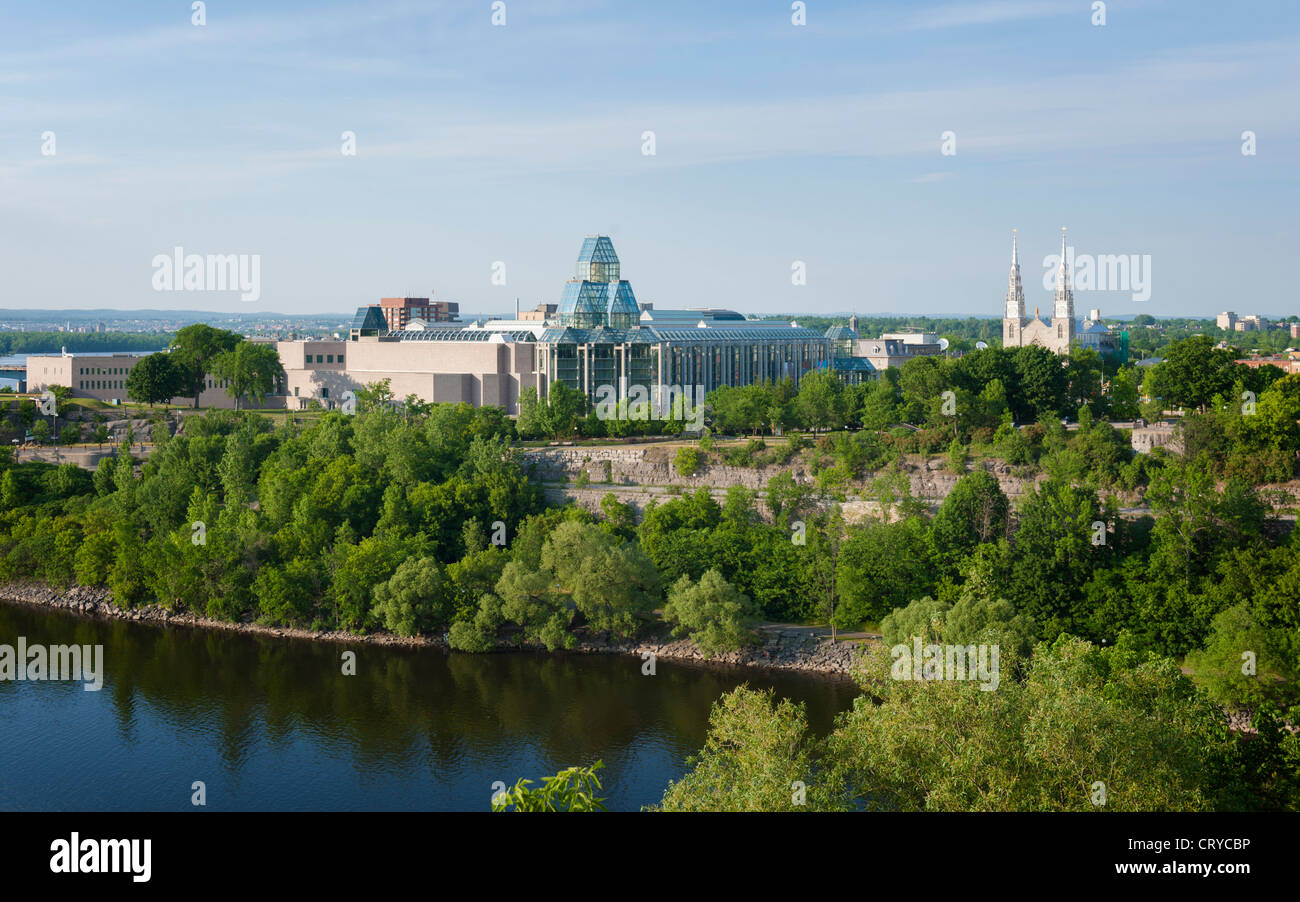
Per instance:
x=587, y=359
x=596, y=297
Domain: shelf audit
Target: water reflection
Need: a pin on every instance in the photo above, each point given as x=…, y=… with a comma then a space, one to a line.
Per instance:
x=274, y=724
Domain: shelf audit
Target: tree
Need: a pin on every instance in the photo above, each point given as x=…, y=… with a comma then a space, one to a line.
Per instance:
x=1086, y=729
x=572, y=789
x=196, y=348
x=533, y=421
x=415, y=599
x=1124, y=393
x=1245, y=664
x=882, y=567
x=251, y=369
x=879, y=406
x=1192, y=373
x=756, y=758
x=156, y=379
x=563, y=407
x=712, y=612
x=1041, y=386
x=974, y=512
x=612, y=584
x=820, y=402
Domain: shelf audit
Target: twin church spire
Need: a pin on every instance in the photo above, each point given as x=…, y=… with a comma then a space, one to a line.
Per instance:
x=1019, y=330
x=1062, y=298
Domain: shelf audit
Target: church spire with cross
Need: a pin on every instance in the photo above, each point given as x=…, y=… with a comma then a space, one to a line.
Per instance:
x=1015, y=291
x=1063, y=299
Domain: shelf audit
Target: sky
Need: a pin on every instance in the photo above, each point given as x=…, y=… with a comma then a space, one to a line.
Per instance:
x=485, y=153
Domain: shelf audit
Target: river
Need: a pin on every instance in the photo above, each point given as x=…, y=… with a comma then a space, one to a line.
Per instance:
x=273, y=724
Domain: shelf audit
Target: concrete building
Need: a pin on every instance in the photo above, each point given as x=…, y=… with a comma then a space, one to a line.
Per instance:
x=1288, y=364
x=896, y=348
x=1227, y=321
x=103, y=377
x=598, y=340
x=402, y=312
x=1252, y=323
x=451, y=364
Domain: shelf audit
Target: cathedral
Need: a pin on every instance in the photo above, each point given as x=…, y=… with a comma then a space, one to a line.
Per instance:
x=1019, y=330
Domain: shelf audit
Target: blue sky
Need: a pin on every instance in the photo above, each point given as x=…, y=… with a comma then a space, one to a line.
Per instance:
x=774, y=143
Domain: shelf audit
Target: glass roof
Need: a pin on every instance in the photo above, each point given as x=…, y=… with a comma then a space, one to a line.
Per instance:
x=597, y=249
x=370, y=318
x=460, y=333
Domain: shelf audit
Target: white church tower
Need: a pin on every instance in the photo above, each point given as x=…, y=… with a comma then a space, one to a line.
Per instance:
x=1062, y=306
x=1013, y=319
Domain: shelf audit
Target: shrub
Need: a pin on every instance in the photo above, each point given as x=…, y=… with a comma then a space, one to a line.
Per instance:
x=716, y=615
x=687, y=462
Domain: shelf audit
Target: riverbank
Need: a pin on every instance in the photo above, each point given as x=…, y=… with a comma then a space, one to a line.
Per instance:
x=782, y=648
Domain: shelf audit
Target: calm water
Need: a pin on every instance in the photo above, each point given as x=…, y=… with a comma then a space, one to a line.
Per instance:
x=273, y=724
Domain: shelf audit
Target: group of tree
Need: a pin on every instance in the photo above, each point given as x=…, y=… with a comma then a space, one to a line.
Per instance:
x=80, y=342
x=1077, y=728
x=246, y=369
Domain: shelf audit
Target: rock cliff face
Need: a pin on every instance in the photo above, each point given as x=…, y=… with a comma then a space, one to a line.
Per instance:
x=635, y=475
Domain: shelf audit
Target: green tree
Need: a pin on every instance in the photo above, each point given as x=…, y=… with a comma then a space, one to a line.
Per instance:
x=757, y=756
x=1080, y=717
x=196, y=348
x=1192, y=373
x=249, y=369
x=716, y=616
x=820, y=402
x=156, y=379
x=415, y=599
x=974, y=512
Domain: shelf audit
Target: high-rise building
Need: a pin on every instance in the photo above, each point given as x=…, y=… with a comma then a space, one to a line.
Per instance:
x=401, y=313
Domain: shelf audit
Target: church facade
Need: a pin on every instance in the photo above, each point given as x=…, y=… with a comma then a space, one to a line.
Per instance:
x=1018, y=330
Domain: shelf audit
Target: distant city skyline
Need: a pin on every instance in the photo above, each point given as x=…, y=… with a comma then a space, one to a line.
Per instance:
x=776, y=146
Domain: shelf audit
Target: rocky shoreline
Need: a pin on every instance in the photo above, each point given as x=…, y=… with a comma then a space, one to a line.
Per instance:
x=782, y=649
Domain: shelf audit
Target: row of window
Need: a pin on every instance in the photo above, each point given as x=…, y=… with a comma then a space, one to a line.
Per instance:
x=101, y=384
x=325, y=358
x=101, y=371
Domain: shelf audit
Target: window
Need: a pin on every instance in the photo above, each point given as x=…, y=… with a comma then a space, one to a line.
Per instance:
x=295, y=391
x=320, y=358
x=329, y=358
x=340, y=358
